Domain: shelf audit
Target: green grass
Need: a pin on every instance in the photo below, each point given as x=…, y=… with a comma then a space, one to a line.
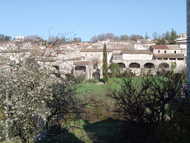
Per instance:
x=16, y=141
x=99, y=91
x=77, y=128
x=89, y=92
x=105, y=131
x=90, y=88
x=97, y=96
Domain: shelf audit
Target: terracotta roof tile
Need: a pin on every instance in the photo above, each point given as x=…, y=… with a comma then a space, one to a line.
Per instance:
x=168, y=55
x=94, y=50
x=83, y=63
x=138, y=52
x=74, y=59
x=160, y=47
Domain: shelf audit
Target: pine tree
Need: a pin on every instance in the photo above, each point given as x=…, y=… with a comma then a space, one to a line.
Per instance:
x=105, y=64
x=173, y=37
x=146, y=36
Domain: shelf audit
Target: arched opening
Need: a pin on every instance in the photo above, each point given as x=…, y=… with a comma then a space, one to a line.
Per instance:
x=96, y=74
x=134, y=65
x=121, y=65
x=164, y=66
x=149, y=66
x=80, y=68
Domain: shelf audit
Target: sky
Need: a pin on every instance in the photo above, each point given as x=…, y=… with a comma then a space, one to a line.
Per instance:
x=86, y=18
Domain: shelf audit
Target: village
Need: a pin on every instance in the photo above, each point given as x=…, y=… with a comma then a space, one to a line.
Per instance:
x=103, y=71
x=86, y=58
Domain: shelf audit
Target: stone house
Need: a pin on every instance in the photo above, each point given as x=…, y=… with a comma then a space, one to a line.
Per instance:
x=171, y=54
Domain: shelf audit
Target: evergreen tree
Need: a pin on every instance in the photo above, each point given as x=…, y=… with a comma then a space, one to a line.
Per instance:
x=4, y=37
x=161, y=41
x=146, y=36
x=173, y=37
x=167, y=38
x=115, y=70
x=105, y=64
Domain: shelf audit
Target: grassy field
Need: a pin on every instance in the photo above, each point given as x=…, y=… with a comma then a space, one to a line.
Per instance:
x=105, y=131
x=85, y=89
x=104, y=128
x=99, y=125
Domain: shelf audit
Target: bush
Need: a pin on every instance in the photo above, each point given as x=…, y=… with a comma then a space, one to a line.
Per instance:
x=115, y=70
x=177, y=129
x=146, y=105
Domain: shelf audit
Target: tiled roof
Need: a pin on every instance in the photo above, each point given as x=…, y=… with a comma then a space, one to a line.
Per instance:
x=15, y=51
x=166, y=47
x=160, y=47
x=46, y=60
x=168, y=55
x=94, y=50
x=74, y=59
x=173, y=47
x=60, y=51
x=138, y=52
x=83, y=63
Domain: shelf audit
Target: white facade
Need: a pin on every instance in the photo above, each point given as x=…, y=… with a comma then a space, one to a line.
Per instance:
x=97, y=55
x=143, y=46
x=182, y=38
x=137, y=57
x=139, y=46
x=168, y=51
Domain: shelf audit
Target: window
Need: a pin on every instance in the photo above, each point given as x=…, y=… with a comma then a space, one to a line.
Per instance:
x=175, y=52
x=158, y=51
x=165, y=51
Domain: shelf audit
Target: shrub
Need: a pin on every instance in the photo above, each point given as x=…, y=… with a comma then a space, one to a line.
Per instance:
x=146, y=105
x=115, y=70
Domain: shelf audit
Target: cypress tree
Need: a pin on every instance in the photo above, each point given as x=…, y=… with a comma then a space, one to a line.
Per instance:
x=105, y=64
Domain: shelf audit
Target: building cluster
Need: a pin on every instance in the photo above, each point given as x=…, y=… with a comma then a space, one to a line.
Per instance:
x=86, y=58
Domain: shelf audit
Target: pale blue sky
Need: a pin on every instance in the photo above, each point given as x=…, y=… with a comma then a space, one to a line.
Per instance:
x=86, y=18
